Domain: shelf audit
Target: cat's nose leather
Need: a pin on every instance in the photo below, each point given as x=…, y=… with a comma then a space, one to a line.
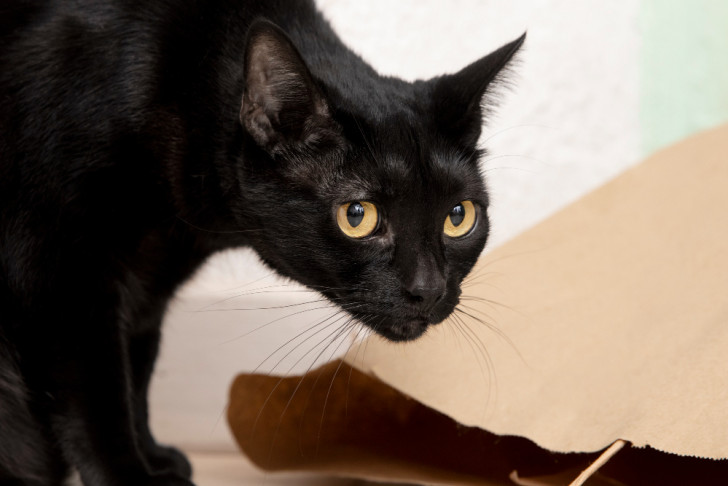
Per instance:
x=426, y=287
x=426, y=297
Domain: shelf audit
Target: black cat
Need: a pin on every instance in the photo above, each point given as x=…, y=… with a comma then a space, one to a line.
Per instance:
x=137, y=137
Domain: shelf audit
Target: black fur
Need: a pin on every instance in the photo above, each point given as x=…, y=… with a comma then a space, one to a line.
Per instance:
x=138, y=137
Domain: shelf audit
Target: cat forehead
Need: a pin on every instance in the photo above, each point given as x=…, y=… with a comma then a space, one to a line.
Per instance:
x=414, y=175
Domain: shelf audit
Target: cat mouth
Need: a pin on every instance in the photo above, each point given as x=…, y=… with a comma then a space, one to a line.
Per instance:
x=399, y=329
x=398, y=325
x=402, y=330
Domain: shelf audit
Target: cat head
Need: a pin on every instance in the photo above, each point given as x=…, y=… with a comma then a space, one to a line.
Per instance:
x=365, y=188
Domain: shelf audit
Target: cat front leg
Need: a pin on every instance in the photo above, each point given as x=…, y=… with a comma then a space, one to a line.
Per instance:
x=28, y=455
x=143, y=349
x=86, y=371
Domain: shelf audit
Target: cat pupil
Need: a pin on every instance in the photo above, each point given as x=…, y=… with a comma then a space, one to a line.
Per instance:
x=355, y=214
x=457, y=214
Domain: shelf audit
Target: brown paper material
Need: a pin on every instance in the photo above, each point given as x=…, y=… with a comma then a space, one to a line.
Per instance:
x=339, y=421
x=607, y=321
x=616, y=316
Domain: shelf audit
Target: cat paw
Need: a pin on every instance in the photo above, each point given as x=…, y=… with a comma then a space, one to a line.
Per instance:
x=168, y=460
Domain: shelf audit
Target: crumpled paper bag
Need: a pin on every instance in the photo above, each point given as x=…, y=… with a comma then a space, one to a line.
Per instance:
x=608, y=321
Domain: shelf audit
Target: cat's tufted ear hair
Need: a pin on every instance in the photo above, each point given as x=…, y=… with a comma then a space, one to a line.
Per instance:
x=459, y=99
x=282, y=108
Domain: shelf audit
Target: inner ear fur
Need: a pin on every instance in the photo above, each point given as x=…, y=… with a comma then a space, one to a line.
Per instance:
x=282, y=106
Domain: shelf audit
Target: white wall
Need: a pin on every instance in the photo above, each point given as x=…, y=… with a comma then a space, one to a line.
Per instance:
x=569, y=123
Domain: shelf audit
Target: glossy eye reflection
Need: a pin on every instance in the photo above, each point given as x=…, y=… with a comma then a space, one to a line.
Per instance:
x=460, y=220
x=357, y=219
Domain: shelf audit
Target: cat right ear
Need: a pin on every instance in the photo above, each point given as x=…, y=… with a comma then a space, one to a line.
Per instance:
x=459, y=98
x=282, y=107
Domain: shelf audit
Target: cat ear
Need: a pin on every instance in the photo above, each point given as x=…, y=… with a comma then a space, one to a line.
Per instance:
x=282, y=107
x=459, y=98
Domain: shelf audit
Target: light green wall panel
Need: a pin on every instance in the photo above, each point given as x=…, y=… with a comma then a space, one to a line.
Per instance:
x=684, y=79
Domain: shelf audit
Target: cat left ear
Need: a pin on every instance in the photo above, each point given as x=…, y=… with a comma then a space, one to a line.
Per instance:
x=459, y=98
x=282, y=107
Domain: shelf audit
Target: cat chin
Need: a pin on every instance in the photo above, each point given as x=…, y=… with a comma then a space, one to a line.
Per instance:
x=401, y=328
x=401, y=331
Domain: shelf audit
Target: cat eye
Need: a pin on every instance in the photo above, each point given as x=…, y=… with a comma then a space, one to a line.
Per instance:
x=460, y=220
x=357, y=219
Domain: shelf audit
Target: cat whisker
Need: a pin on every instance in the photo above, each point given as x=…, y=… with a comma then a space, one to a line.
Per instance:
x=493, y=328
x=241, y=336
x=490, y=302
x=347, y=327
x=298, y=289
x=336, y=335
x=261, y=290
x=452, y=326
x=365, y=333
x=488, y=160
x=326, y=400
x=475, y=310
x=486, y=267
x=513, y=127
x=478, y=276
x=278, y=383
x=276, y=291
x=480, y=353
x=481, y=280
x=252, y=282
x=322, y=289
x=272, y=307
x=483, y=269
x=477, y=344
x=337, y=316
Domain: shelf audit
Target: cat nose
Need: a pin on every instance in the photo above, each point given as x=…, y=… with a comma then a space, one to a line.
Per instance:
x=426, y=289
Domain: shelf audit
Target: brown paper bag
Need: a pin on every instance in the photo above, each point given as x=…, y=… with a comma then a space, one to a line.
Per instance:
x=607, y=321
x=615, y=312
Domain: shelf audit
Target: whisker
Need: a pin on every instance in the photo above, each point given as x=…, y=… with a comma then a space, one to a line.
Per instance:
x=278, y=383
x=492, y=303
x=366, y=332
x=474, y=339
x=241, y=336
x=272, y=307
x=260, y=290
x=325, y=321
x=248, y=284
x=504, y=130
x=495, y=329
x=487, y=160
x=487, y=324
x=479, y=357
x=337, y=333
x=475, y=310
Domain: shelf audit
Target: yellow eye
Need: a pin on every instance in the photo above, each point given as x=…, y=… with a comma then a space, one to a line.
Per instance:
x=357, y=219
x=460, y=220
